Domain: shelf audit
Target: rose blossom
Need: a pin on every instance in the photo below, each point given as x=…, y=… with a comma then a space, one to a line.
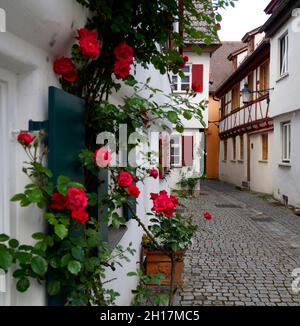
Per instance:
x=207, y=216
x=164, y=204
x=76, y=199
x=25, y=139
x=89, y=43
x=80, y=216
x=58, y=201
x=63, y=66
x=124, y=52
x=124, y=179
x=71, y=76
x=102, y=157
x=133, y=191
x=183, y=60
x=153, y=172
x=121, y=69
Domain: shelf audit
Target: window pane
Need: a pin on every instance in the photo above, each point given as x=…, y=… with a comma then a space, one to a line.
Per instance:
x=174, y=79
x=185, y=87
x=186, y=69
x=185, y=80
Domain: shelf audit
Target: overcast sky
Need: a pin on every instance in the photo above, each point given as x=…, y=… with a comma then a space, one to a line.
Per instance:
x=247, y=15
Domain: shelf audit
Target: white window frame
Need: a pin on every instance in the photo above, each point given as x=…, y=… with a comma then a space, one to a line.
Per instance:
x=284, y=54
x=179, y=146
x=286, y=142
x=179, y=82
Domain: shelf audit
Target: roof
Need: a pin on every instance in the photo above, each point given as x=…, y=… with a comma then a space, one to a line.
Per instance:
x=251, y=33
x=221, y=68
x=260, y=54
x=201, y=26
x=238, y=51
x=271, y=6
x=281, y=13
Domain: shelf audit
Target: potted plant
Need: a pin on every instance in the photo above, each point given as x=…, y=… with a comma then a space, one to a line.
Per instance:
x=171, y=236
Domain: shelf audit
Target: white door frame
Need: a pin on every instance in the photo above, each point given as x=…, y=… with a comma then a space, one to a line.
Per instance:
x=8, y=210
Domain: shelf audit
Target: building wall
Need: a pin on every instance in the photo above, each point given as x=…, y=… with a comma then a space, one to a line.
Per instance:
x=230, y=170
x=212, y=141
x=261, y=179
x=26, y=72
x=286, y=96
x=286, y=176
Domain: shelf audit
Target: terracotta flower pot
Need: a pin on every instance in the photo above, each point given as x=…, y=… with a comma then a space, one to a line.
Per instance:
x=158, y=262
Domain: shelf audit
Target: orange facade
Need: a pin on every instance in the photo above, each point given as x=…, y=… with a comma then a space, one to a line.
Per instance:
x=212, y=140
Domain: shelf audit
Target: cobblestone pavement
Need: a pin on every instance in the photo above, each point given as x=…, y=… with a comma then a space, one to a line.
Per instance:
x=248, y=253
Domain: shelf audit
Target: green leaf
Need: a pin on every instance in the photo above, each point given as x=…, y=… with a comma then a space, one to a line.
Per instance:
x=180, y=129
x=65, y=260
x=76, y=185
x=54, y=262
x=62, y=185
x=23, y=284
x=188, y=115
x=74, y=267
x=78, y=253
x=39, y=236
x=61, y=231
x=131, y=274
x=4, y=237
x=19, y=273
x=13, y=243
x=23, y=257
x=25, y=248
x=6, y=259
x=172, y=116
x=18, y=197
x=51, y=218
x=39, y=265
x=34, y=195
x=53, y=287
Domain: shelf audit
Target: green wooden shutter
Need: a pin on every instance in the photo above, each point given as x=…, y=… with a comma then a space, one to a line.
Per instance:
x=66, y=134
x=66, y=140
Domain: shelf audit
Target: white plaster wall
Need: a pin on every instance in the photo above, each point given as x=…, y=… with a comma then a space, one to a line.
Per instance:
x=176, y=172
x=261, y=171
x=205, y=60
x=27, y=54
x=286, y=177
x=233, y=171
x=286, y=96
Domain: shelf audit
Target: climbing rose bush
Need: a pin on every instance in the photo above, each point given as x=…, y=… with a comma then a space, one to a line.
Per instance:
x=153, y=173
x=65, y=68
x=196, y=87
x=124, y=52
x=124, y=179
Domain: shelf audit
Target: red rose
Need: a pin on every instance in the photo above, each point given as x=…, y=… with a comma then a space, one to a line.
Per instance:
x=124, y=179
x=153, y=172
x=71, y=76
x=80, y=216
x=25, y=139
x=182, y=61
x=133, y=191
x=218, y=26
x=58, y=201
x=163, y=204
x=76, y=199
x=121, y=69
x=63, y=66
x=89, y=43
x=207, y=216
x=124, y=52
x=197, y=87
x=153, y=196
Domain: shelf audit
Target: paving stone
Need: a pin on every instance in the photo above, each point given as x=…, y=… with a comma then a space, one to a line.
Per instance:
x=240, y=261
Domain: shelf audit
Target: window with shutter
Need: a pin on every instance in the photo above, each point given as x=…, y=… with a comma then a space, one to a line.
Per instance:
x=264, y=140
x=187, y=150
x=197, y=75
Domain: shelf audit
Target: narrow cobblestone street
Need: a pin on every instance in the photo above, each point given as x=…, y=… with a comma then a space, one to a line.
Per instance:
x=247, y=254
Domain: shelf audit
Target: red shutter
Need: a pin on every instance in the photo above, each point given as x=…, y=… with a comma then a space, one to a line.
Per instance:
x=187, y=150
x=197, y=75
